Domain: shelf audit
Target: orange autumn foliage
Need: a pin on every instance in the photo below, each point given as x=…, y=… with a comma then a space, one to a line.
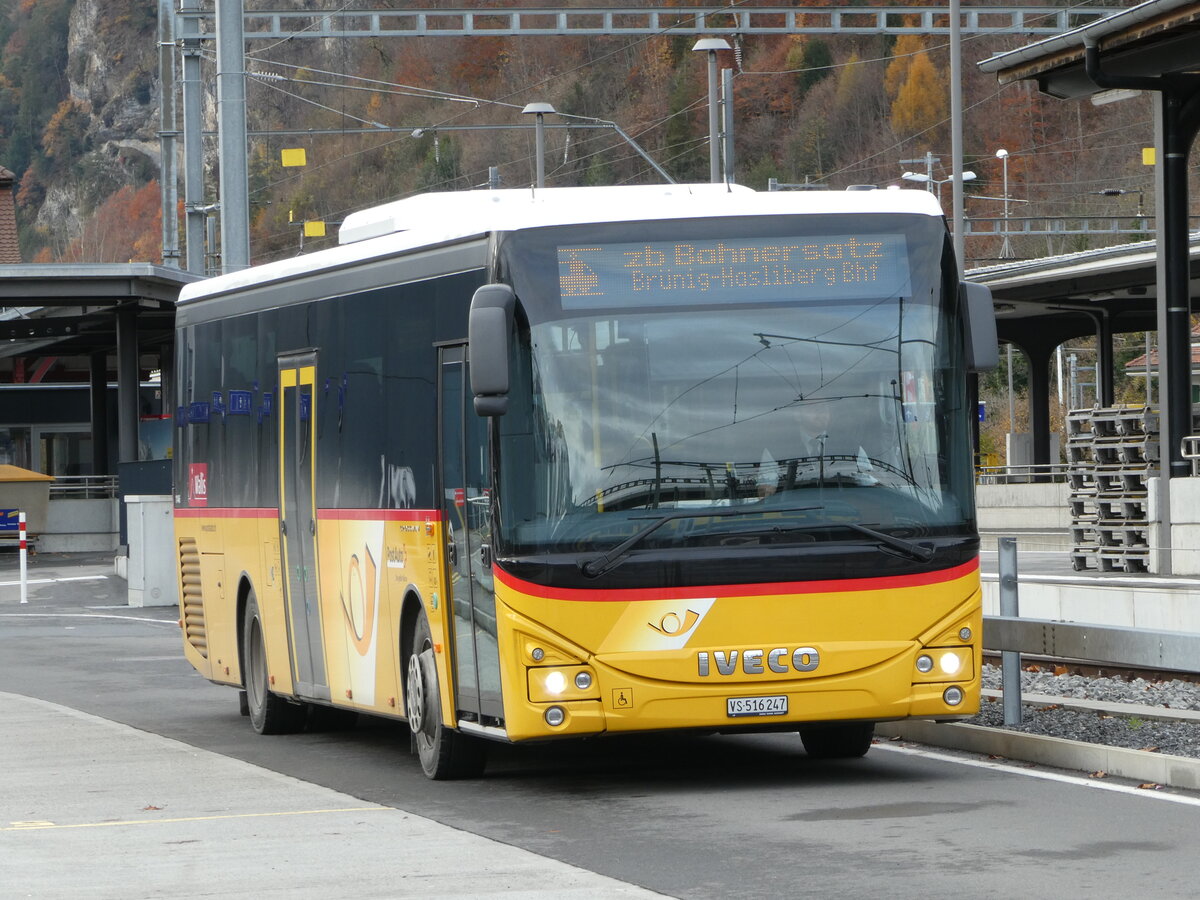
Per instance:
x=127, y=227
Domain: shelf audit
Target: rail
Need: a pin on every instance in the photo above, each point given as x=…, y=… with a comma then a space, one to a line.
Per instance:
x=1043, y=472
x=83, y=487
x=1174, y=651
x=1143, y=648
x=1191, y=451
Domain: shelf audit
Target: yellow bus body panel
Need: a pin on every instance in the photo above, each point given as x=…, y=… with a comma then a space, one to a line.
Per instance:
x=368, y=567
x=644, y=654
x=643, y=649
x=368, y=563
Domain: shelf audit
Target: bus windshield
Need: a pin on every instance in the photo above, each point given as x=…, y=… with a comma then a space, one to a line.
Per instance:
x=793, y=403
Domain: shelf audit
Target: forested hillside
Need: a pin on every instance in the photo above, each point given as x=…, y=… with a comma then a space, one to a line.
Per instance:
x=79, y=105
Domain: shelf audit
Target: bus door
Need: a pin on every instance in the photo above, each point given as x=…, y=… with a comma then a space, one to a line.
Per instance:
x=465, y=511
x=298, y=521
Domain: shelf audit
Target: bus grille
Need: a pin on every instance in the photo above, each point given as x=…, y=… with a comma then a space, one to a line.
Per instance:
x=194, y=631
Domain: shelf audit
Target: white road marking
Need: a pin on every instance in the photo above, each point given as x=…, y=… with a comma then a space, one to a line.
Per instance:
x=1077, y=780
x=17, y=583
x=172, y=623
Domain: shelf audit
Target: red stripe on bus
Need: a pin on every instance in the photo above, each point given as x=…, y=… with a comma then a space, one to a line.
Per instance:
x=630, y=595
x=380, y=515
x=353, y=515
x=208, y=512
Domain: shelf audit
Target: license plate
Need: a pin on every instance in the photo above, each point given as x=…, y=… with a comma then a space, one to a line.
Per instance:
x=756, y=706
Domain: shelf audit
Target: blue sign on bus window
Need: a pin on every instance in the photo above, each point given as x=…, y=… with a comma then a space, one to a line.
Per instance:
x=240, y=403
x=198, y=413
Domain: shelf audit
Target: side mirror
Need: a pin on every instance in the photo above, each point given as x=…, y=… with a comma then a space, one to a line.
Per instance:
x=979, y=319
x=488, y=330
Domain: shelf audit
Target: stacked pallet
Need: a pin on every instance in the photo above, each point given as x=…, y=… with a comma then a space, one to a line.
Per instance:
x=1111, y=455
x=1081, y=485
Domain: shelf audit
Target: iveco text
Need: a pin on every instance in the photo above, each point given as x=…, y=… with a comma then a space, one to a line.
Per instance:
x=802, y=659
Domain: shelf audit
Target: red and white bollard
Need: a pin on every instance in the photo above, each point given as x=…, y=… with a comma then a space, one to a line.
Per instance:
x=24, y=578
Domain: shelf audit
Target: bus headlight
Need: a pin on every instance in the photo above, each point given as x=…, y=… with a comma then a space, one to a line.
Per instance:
x=551, y=684
x=953, y=695
x=944, y=664
x=555, y=716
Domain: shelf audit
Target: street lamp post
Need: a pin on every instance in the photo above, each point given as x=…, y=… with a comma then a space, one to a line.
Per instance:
x=540, y=110
x=711, y=46
x=928, y=180
x=1006, y=251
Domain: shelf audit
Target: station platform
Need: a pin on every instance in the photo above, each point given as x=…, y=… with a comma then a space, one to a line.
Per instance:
x=1051, y=588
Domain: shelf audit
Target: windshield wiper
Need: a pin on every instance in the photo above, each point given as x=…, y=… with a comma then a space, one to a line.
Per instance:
x=911, y=549
x=606, y=561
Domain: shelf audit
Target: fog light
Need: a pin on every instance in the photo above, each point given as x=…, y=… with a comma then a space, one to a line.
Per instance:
x=964, y=634
x=924, y=663
x=952, y=695
x=950, y=663
x=555, y=716
x=538, y=654
x=583, y=680
x=555, y=682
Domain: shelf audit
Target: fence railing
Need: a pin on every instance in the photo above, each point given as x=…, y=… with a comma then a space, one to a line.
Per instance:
x=83, y=487
x=1046, y=472
x=1008, y=633
x=1176, y=651
x=1191, y=451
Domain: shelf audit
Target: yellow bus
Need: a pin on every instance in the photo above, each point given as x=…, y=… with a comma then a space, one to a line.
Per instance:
x=522, y=465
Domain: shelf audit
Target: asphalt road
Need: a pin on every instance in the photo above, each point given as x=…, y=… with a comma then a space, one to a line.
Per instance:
x=685, y=816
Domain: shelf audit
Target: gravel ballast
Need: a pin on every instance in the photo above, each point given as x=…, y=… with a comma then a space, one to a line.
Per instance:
x=1135, y=731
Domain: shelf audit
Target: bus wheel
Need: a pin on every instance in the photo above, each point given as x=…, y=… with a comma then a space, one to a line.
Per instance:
x=444, y=753
x=269, y=713
x=847, y=741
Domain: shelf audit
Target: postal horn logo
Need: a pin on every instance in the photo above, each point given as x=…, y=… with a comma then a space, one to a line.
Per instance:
x=673, y=624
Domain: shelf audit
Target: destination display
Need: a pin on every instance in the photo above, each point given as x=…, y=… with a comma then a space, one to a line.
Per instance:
x=678, y=273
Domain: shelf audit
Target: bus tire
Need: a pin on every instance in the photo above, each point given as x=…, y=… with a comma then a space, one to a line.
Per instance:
x=269, y=713
x=848, y=741
x=443, y=752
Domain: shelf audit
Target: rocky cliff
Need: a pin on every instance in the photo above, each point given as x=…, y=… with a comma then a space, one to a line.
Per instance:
x=113, y=104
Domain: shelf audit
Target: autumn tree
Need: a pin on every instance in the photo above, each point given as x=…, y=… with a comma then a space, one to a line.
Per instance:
x=907, y=48
x=811, y=60
x=65, y=138
x=921, y=105
x=127, y=227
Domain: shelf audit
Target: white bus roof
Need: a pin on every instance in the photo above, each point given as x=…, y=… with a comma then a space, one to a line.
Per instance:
x=430, y=219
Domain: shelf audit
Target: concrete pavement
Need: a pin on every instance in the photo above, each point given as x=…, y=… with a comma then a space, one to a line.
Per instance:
x=92, y=808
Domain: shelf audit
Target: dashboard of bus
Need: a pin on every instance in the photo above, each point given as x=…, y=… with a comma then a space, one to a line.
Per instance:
x=779, y=398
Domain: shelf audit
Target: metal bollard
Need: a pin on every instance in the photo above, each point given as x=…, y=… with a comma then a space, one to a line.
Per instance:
x=24, y=570
x=1010, y=660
